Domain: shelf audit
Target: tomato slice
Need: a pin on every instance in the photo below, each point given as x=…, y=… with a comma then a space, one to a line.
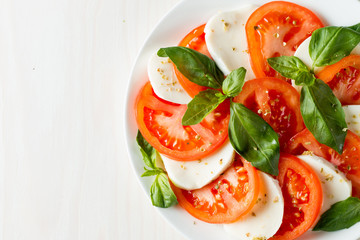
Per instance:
x=348, y=162
x=343, y=78
x=227, y=198
x=277, y=29
x=277, y=102
x=159, y=122
x=302, y=194
x=194, y=40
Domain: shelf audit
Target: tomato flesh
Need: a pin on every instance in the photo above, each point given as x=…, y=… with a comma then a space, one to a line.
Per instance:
x=277, y=29
x=227, y=198
x=277, y=102
x=194, y=40
x=159, y=122
x=302, y=194
x=295, y=192
x=343, y=78
x=348, y=162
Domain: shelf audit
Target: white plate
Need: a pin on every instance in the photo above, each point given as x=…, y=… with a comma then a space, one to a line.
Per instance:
x=185, y=16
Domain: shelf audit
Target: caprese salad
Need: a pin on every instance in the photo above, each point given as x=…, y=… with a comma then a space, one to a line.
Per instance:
x=254, y=116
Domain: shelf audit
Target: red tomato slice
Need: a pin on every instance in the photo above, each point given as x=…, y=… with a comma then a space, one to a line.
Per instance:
x=348, y=162
x=277, y=29
x=227, y=198
x=302, y=194
x=159, y=122
x=194, y=40
x=277, y=102
x=343, y=78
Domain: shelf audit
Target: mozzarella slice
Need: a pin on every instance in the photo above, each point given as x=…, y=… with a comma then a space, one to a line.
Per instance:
x=196, y=174
x=352, y=118
x=226, y=40
x=265, y=218
x=164, y=81
x=302, y=52
x=335, y=186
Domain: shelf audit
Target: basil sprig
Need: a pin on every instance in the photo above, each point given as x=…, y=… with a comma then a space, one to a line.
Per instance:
x=341, y=215
x=254, y=139
x=206, y=101
x=195, y=66
x=329, y=45
x=160, y=192
x=321, y=110
x=249, y=134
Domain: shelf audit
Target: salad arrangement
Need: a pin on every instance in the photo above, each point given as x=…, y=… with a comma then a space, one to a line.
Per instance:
x=190, y=109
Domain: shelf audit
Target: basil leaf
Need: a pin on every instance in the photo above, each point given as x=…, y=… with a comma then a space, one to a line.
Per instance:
x=234, y=82
x=355, y=27
x=201, y=105
x=329, y=45
x=149, y=173
x=323, y=115
x=254, y=139
x=305, y=79
x=147, y=151
x=341, y=215
x=161, y=193
x=195, y=66
x=292, y=67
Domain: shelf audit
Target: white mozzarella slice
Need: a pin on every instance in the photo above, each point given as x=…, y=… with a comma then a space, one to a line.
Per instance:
x=352, y=118
x=226, y=40
x=335, y=186
x=164, y=81
x=196, y=174
x=302, y=52
x=265, y=218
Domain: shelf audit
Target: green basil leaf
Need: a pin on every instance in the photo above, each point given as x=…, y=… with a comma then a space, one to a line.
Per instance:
x=147, y=151
x=292, y=67
x=201, y=105
x=149, y=173
x=288, y=66
x=355, y=27
x=254, y=139
x=305, y=79
x=195, y=66
x=161, y=193
x=234, y=82
x=329, y=45
x=323, y=115
x=341, y=215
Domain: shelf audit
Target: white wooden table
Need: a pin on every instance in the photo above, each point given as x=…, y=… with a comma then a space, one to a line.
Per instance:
x=65, y=172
